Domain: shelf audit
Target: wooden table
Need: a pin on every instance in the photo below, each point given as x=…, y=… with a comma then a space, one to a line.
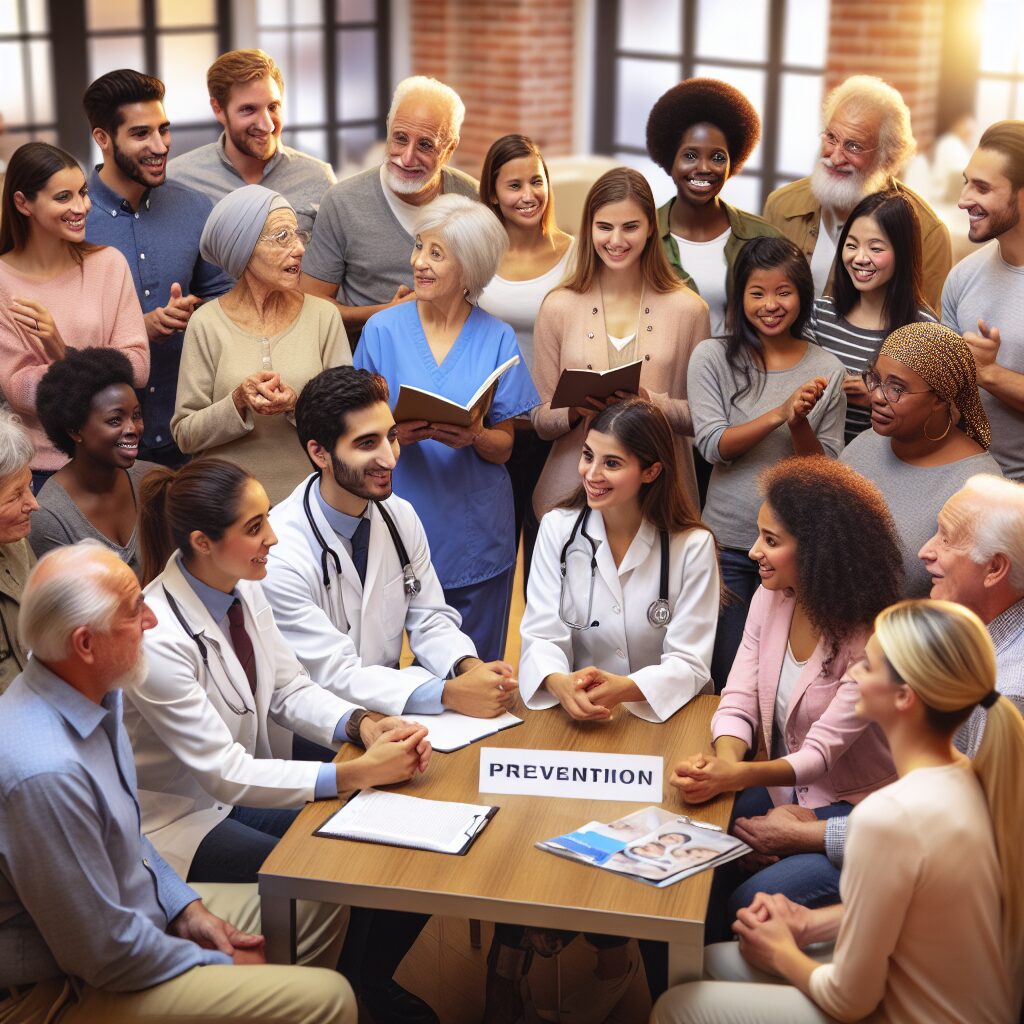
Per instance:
x=504, y=877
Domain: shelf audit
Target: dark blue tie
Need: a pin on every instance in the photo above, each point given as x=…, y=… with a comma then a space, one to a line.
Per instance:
x=361, y=548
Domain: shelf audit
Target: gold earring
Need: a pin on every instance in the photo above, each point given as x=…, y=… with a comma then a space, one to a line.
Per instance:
x=929, y=437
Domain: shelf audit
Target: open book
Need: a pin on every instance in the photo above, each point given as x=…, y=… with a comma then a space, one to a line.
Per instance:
x=419, y=404
x=574, y=386
x=396, y=820
x=652, y=845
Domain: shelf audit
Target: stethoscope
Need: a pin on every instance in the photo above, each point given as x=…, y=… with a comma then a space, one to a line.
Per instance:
x=197, y=639
x=411, y=583
x=658, y=612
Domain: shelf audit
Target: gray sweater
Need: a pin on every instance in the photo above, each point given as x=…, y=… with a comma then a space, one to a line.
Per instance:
x=733, y=497
x=914, y=495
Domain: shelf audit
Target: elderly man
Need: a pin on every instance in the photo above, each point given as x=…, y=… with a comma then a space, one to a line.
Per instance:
x=363, y=237
x=865, y=141
x=986, y=289
x=94, y=925
x=975, y=558
x=246, y=95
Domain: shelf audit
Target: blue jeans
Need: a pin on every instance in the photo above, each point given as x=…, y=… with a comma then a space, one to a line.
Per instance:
x=740, y=576
x=234, y=850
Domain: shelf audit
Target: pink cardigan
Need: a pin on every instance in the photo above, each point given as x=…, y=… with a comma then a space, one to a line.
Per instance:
x=836, y=754
x=570, y=333
x=92, y=305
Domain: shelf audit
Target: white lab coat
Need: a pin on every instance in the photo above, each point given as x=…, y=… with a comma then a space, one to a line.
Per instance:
x=196, y=758
x=670, y=665
x=349, y=637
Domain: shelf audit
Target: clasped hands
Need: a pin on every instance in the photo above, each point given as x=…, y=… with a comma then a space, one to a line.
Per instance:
x=704, y=776
x=799, y=404
x=591, y=694
x=480, y=689
x=265, y=394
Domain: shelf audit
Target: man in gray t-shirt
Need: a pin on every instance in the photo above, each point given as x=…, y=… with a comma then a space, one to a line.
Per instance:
x=363, y=239
x=984, y=294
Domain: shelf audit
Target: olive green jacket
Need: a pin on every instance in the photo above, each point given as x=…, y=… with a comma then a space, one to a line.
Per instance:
x=743, y=227
x=15, y=562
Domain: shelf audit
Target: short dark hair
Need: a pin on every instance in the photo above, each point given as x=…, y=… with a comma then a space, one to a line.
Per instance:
x=64, y=396
x=700, y=101
x=328, y=398
x=904, y=294
x=742, y=345
x=106, y=96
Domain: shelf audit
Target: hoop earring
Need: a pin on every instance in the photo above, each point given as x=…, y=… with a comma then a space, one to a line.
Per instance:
x=949, y=412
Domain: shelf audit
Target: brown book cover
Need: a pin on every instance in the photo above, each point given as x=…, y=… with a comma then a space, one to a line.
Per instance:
x=575, y=386
x=420, y=404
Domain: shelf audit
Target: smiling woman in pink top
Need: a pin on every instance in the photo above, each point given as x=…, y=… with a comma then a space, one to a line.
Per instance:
x=56, y=290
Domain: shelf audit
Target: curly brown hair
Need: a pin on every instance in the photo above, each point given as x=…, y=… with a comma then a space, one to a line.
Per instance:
x=699, y=101
x=828, y=507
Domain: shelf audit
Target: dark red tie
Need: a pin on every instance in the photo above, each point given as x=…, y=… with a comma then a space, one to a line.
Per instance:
x=241, y=642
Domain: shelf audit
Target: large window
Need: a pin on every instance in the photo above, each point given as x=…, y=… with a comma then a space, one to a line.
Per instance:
x=333, y=55
x=1000, y=90
x=771, y=50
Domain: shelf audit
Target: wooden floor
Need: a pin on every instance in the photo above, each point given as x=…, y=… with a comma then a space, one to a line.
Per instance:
x=448, y=973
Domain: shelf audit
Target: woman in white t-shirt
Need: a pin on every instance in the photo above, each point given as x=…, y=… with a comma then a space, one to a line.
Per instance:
x=514, y=183
x=931, y=927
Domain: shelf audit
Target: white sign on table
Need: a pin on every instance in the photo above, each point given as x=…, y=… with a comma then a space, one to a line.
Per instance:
x=568, y=773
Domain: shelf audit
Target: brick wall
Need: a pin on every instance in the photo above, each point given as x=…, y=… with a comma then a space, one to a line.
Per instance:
x=899, y=41
x=511, y=61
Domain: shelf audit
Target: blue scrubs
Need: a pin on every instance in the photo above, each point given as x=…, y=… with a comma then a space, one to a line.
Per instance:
x=464, y=501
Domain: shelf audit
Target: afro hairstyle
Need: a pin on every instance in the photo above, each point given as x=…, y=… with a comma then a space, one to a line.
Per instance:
x=698, y=101
x=65, y=394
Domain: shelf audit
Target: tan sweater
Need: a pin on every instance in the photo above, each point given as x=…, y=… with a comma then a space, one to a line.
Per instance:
x=570, y=332
x=218, y=355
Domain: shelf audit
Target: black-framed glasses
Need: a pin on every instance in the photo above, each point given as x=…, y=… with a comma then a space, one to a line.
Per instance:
x=892, y=391
x=849, y=146
x=286, y=237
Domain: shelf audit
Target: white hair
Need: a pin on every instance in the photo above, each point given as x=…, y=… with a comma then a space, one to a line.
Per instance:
x=16, y=447
x=866, y=94
x=474, y=236
x=439, y=91
x=998, y=523
x=80, y=593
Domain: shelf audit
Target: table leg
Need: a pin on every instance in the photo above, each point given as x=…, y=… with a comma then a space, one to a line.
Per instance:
x=686, y=961
x=277, y=919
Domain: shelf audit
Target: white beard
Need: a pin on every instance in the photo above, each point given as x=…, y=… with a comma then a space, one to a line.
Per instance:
x=135, y=676
x=400, y=185
x=846, y=192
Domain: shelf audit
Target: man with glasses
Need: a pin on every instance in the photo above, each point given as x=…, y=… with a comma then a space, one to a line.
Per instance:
x=363, y=237
x=155, y=224
x=865, y=141
x=984, y=296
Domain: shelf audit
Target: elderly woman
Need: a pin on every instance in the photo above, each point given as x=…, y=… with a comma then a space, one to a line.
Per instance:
x=929, y=433
x=700, y=133
x=91, y=414
x=16, y=558
x=248, y=354
x=455, y=475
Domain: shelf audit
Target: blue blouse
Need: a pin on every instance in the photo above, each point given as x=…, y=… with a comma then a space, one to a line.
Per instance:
x=464, y=501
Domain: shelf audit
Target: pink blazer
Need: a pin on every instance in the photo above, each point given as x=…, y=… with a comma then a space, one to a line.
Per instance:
x=835, y=754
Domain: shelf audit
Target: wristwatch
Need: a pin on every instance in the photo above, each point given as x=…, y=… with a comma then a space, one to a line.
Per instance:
x=355, y=720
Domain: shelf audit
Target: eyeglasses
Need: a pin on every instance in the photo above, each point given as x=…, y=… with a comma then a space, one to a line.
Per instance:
x=892, y=392
x=849, y=146
x=286, y=237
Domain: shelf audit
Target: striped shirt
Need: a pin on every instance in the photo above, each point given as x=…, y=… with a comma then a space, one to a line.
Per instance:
x=855, y=347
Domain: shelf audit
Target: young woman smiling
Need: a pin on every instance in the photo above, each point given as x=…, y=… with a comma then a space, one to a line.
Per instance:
x=56, y=290
x=514, y=184
x=700, y=133
x=90, y=412
x=877, y=290
x=621, y=303
x=759, y=395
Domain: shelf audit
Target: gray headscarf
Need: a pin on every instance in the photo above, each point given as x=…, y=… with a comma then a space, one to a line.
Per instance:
x=235, y=224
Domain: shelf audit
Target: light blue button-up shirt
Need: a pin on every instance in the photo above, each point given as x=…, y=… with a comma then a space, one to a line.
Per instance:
x=82, y=892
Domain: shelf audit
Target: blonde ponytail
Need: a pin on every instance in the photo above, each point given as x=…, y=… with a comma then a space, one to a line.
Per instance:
x=943, y=652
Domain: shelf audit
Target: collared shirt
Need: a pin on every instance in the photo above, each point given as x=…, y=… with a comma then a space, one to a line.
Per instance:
x=300, y=178
x=160, y=241
x=217, y=603
x=426, y=698
x=82, y=892
x=1007, y=632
